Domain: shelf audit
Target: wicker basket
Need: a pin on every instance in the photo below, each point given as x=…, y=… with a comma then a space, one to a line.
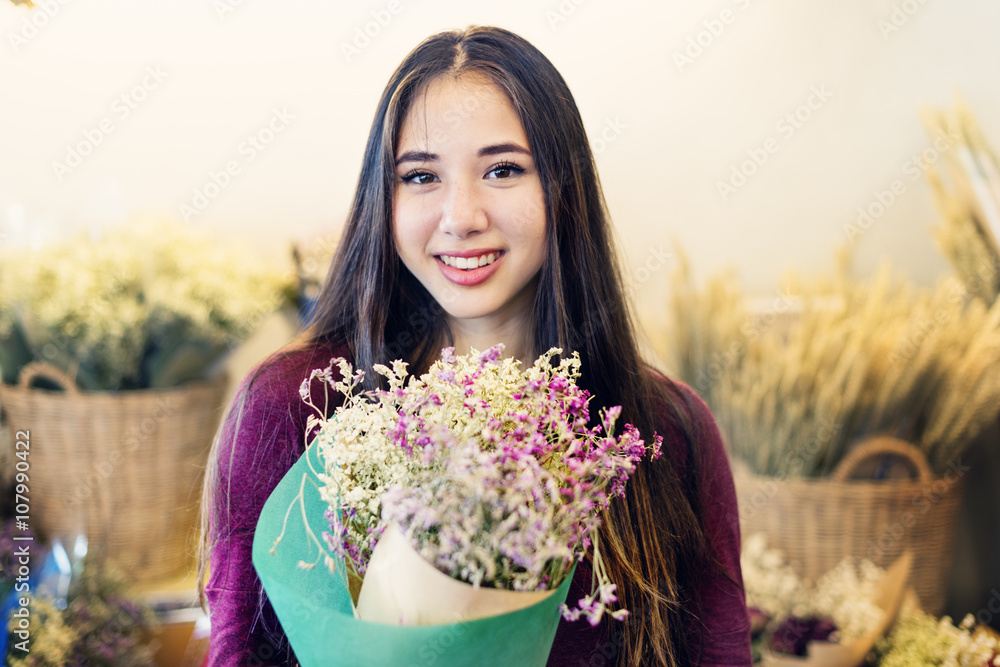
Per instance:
x=123, y=468
x=816, y=522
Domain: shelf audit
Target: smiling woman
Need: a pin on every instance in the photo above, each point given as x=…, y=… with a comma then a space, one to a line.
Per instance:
x=469, y=210
x=479, y=219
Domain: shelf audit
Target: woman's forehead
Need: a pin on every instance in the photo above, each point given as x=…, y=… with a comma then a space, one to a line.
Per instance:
x=450, y=109
x=470, y=86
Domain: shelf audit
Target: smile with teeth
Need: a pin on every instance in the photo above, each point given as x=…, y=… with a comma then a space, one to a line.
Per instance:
x=468, y=263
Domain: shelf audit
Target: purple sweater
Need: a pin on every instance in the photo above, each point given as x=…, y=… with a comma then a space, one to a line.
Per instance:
x=261, y=441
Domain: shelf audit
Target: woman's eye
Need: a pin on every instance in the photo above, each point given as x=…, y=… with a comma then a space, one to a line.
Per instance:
x=418, y=177
x=504, y=170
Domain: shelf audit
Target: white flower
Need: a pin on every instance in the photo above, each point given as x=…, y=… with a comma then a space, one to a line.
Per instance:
x=920, y=639
x=491, y=471
x=106, y=304
x=846, y=594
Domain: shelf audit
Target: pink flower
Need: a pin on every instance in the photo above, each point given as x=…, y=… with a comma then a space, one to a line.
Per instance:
x=502, y=477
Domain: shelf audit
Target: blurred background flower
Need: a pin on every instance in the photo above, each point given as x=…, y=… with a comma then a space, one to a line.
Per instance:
x=154, y=304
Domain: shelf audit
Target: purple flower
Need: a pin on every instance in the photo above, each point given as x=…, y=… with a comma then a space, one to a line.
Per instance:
x=503, y=477
x=758, y=621
x=793, y=636
x=491, y=355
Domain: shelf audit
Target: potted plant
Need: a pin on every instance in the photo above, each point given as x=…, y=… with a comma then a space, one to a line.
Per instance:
x=832, y=397
x=112, y=354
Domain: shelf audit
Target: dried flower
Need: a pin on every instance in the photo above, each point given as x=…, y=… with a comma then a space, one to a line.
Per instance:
x=100, y=626
x=492, y=472
x=920, y=639
x=147, y=305
x=794, y=391
x=845, y=595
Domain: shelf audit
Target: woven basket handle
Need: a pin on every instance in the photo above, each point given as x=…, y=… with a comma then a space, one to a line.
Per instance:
x=883, y=445
x=46, y=370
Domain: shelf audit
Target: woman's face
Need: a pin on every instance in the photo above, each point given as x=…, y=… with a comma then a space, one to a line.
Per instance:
x=469, y=214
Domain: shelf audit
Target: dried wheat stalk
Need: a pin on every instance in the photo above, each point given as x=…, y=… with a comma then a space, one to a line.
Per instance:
x=970, y=208
x=878, y=357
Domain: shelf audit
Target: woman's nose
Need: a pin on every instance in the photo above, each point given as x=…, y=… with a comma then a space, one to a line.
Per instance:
x=464, y=212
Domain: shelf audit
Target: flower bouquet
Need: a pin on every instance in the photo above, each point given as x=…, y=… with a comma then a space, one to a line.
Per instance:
x=150, y=305
x=833, y=622
x=96, y=621
x=461, y=500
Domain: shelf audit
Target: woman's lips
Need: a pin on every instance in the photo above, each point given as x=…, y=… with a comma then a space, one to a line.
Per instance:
x=469, y=277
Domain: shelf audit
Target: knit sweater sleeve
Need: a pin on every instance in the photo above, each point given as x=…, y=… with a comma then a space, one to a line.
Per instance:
x=724, y=621
x=261, y=438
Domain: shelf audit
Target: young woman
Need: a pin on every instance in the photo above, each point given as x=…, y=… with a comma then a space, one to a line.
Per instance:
x=479, y=218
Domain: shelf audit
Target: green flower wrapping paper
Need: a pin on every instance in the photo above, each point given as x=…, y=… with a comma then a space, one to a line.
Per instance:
x=316, y=611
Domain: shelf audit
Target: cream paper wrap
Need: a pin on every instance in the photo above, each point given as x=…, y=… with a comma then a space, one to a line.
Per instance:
x=401, y=588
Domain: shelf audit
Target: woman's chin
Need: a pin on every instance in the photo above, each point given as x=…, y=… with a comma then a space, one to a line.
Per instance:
x=467, y=310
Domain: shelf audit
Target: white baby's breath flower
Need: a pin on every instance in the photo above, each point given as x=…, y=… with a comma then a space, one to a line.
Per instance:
x=846, y=594
x=106, y=304
x=452, y=457
x=920, y=639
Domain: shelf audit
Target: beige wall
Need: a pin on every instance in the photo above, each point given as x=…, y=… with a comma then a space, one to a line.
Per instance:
x=667, y=130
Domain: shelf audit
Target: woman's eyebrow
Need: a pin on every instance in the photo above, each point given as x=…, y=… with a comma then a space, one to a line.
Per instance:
x=416, y=156
x=497, y=149
x=494, y=149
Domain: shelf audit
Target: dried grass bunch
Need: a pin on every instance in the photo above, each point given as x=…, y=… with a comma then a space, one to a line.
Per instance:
x=970, y=205
x=856, y=359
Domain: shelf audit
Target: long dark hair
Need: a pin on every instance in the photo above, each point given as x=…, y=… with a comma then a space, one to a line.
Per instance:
x=652, y=541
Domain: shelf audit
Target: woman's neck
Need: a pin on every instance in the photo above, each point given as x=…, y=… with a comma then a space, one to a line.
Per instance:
x=483, y=335
x=511, y=325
